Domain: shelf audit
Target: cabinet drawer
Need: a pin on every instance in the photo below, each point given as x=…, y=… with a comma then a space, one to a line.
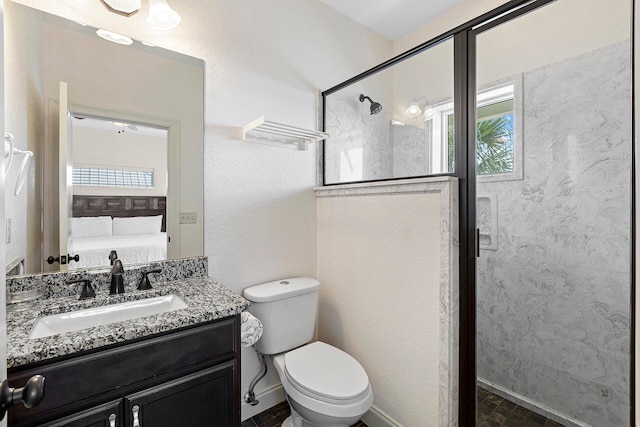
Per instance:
x=106, y=415
x=89, y=379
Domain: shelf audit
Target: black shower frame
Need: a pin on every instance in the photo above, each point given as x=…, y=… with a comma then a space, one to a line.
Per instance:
x=464, y=37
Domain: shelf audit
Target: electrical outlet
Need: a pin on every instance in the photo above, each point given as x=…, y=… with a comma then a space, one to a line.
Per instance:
x=7, y=231
x=188, y=217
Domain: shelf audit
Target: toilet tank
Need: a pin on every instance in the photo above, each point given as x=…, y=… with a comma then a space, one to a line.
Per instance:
x=287, y=309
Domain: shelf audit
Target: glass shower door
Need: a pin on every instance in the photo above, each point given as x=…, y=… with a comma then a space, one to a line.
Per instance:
x=553, y=206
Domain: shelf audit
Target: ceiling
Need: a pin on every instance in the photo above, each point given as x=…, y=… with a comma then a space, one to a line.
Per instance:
x=392, y=19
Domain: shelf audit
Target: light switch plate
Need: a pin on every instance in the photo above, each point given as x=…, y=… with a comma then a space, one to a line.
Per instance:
x=188, y=217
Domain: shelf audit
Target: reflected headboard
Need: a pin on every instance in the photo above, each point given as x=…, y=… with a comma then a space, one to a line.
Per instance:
x=120, y=206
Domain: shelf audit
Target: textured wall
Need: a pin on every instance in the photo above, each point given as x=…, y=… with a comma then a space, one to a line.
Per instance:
x=379, y=265
x=553, y=300
x=25, y=120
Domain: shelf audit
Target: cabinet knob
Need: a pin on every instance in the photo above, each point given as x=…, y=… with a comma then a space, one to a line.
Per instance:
x=30, y=395
x=134, y=411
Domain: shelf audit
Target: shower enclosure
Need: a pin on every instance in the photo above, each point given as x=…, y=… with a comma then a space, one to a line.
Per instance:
x=530, y=106
x=554, y=214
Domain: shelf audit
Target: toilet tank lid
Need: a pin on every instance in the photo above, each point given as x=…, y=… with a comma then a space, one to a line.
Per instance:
x=281, y=289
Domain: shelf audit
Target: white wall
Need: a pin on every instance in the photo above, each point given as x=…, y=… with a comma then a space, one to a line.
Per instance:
x=25, y=120
x=269, y=58
x=129, y=149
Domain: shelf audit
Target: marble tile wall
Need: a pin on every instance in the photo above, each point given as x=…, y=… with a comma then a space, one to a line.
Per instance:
x=411, y=150
x=352, y=127
x=553, y=299
x=388, y=151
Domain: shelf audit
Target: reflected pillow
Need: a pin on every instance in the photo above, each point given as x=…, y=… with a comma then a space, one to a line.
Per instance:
x=137, y=225
x=97, y=226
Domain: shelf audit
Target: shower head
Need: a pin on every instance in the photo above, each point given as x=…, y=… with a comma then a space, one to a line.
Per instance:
x=375, y=106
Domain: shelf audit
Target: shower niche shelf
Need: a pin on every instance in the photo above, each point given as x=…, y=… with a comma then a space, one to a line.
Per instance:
x=279, y=135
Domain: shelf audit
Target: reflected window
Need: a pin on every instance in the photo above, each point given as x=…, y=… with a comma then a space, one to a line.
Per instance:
x=94, y=176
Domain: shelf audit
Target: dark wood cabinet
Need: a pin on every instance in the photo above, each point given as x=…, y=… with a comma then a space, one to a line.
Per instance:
x=106, y=415
x=201, y=399
x=188, y=377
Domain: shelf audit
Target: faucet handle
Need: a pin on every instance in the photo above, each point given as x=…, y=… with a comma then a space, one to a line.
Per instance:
x=144, y=281
x=87, y=289
x=113, y=255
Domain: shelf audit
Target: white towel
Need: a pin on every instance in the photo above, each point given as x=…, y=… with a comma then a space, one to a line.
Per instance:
x=250, y=329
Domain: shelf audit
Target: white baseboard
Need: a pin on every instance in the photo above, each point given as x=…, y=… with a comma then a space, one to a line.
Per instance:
x=531, y=405
x=376, y=418
x=268, y=398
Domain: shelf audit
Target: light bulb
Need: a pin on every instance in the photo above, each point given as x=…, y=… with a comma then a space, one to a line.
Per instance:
x=413, y=110
x=161, y=16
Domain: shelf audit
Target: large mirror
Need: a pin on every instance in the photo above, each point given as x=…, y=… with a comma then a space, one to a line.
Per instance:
x=118, y=98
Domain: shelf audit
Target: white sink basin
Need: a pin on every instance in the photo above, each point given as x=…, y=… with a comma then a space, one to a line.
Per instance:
x=90, y=317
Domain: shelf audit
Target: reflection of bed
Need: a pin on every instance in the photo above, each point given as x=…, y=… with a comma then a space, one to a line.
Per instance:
x=94, y=251
x=132, y=226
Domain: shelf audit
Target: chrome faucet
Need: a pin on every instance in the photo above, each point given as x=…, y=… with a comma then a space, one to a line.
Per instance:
x=117, y=279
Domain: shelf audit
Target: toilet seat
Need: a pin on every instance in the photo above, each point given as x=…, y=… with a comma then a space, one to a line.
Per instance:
x=326, y=373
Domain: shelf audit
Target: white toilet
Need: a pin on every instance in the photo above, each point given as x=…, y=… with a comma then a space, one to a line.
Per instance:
x=324, y=385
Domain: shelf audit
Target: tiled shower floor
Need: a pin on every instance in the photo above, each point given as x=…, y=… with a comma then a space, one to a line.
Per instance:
x=494, y=411
x=274, y=417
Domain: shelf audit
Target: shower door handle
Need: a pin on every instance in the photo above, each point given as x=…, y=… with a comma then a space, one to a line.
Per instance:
x=477, y=243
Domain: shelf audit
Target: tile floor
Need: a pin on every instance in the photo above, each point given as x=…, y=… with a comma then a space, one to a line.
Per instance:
x=274, y=417
x=494, y=411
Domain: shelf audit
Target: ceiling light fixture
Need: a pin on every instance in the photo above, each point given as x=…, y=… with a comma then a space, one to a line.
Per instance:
x=428, y=113
x=413, y=110
x=122, y=7
x=161, y=16
x=114, y=37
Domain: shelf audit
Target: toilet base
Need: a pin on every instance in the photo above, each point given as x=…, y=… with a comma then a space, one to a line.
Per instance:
x=295, y=420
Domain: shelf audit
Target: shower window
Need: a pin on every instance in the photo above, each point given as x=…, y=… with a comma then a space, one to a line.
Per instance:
x=381, y=126
x=498, y=133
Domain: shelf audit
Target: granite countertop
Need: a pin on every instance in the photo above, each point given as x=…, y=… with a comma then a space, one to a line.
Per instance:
x=206, y=301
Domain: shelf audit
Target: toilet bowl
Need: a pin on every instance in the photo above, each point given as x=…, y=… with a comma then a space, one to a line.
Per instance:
x=324, y=385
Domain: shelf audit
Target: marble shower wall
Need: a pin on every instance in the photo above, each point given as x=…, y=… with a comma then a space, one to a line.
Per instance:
x=553, y=299
x=411, y=150
x=359, y=139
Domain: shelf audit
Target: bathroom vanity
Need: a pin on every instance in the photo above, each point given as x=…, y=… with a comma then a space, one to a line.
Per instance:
x=180, y=367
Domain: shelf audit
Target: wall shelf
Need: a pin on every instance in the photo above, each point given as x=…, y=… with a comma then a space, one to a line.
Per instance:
x=280, y=135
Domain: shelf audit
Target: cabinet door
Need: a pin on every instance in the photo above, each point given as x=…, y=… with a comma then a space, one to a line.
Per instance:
x=107, y=415
x=205, y=398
